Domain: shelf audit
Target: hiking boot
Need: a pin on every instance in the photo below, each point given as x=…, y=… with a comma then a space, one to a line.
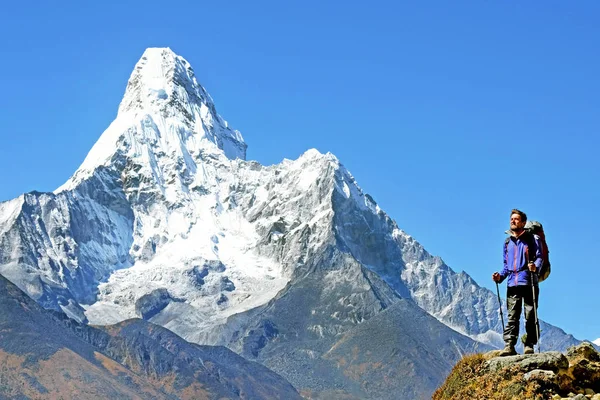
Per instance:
x=508, y=350
x=528, y=349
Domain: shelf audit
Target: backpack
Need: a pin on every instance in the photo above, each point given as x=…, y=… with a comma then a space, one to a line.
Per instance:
x=536, y=229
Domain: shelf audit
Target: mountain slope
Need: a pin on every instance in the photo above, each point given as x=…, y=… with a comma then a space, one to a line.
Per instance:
x=413, y=355
x=46, y=354
x=364, y=345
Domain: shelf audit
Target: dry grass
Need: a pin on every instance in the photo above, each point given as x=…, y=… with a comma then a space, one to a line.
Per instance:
x=462, y=381
x=65, y=375
x=470, y=380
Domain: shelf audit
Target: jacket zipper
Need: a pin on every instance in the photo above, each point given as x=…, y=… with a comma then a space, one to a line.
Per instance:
x=515, y=263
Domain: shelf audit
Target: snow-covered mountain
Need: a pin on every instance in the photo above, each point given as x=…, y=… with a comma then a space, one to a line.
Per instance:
x=597, y=342
x=166, y=220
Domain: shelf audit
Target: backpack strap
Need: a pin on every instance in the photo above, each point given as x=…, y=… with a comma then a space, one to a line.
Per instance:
x=530, y=242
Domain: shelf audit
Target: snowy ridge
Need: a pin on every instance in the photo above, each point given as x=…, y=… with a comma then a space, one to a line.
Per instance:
x=597, y=342
x=9, y=211
x=46, y=247
x=375, y=240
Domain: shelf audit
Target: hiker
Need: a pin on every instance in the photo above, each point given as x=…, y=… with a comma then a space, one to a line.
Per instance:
x=522, y=262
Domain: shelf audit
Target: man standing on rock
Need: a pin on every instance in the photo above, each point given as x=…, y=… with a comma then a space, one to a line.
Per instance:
x=522, y=263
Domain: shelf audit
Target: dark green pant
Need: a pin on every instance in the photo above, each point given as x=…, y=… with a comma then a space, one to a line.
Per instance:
x=515, y=297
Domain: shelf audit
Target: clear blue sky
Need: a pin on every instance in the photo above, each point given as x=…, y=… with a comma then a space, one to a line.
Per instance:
x=448, y=113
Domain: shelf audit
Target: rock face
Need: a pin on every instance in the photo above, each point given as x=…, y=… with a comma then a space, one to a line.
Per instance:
x=44, y=354
x=575, y=375
x=152, y=303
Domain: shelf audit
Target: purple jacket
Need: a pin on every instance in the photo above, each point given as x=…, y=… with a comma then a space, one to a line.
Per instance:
x=517, y=252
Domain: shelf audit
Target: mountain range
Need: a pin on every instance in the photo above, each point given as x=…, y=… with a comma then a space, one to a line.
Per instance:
x=290, y=265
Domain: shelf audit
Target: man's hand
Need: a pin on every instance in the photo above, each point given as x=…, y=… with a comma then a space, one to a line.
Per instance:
x=532, y=267
x=496, y=277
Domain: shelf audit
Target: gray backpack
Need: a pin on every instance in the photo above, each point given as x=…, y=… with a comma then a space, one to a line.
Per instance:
x=537, y=229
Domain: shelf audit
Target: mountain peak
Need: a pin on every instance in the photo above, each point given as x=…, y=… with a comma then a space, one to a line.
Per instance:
x=161, y=77
x=166, y=119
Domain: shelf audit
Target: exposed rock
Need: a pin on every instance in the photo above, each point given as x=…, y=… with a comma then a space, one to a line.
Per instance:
x=257, y=339
x=540, y=375
x=584, y=363
x=585, y=350
x=151, y=304
x=552, y=361
x=551, y=375
x=226, y=284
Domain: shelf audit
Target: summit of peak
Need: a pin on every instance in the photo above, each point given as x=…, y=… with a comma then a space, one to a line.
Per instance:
x=159, y=78
x=165, y=117
x=160, y=52
x=314, y=154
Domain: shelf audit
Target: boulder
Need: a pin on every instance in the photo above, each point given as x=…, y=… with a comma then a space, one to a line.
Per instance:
x=584, y=350
x=550, y=361
x=152, y=303
x=584, y=363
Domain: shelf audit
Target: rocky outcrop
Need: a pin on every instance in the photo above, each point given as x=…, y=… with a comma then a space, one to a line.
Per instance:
x=152, y=303
x=552, y=375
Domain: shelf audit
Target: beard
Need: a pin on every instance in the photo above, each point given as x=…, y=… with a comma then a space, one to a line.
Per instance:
x=516, y=228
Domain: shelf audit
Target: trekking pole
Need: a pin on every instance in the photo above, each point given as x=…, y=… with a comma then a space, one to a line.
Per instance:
x=500, y=302
x=537, y=325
